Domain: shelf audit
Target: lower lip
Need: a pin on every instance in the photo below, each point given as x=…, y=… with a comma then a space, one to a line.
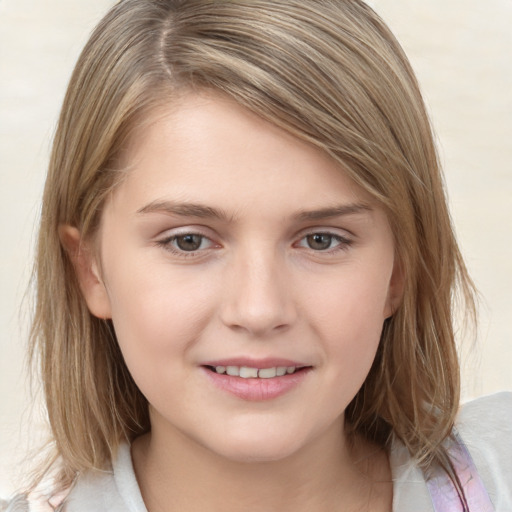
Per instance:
x=257, y=390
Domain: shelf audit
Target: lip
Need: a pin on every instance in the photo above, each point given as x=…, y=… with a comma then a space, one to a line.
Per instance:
x=268, y=362
x=256, y=389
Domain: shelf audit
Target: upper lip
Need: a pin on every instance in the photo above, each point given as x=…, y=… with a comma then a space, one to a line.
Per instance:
x=270, y=362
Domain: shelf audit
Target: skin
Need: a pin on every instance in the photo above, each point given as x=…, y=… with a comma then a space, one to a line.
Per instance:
x=259, y=285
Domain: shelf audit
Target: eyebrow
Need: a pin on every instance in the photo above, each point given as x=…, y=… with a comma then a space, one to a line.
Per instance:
x=334, y=211
x=184, y=210
x=209, y=212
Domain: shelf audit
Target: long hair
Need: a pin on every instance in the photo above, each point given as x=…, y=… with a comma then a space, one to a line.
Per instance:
x=329, y=72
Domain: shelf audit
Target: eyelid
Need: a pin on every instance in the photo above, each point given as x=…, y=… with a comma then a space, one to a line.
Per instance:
x=333, y=231
x=191, y=229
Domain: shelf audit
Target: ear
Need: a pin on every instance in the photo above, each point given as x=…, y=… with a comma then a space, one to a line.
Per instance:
x=395, y=290
x=87, y=271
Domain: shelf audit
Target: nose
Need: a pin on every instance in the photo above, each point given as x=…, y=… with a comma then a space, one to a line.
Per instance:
x=257, y=297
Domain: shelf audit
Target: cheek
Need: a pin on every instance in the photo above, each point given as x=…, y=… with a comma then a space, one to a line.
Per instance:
x=158, y=321
x=349, y=318
x=355, y=302
x=157, y=312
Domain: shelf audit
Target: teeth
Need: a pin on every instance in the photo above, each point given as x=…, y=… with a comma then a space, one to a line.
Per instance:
x=246, y=372
x=267, y=373
x=234, y=371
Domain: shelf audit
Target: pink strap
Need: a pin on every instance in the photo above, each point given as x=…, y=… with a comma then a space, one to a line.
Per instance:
x=445, y=496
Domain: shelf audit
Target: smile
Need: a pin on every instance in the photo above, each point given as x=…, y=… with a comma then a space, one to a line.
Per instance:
x=259, y=381
x=246, y=372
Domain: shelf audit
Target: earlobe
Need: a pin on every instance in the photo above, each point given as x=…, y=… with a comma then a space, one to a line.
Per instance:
x=87, y=271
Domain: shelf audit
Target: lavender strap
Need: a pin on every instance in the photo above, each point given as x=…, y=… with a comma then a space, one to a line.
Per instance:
x=443, y=492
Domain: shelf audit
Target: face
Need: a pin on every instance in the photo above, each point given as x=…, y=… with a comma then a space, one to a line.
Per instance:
x=232, y=254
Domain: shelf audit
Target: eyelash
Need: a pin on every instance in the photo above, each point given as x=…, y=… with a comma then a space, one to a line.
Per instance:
x=167, y=243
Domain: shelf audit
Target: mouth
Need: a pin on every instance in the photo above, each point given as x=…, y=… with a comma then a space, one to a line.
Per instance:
x=247, y=372
x=258, y=381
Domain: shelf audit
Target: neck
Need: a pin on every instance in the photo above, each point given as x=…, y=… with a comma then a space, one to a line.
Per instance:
x=178, y=474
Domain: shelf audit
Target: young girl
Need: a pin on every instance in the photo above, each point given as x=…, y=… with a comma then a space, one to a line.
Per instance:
x=246, y=273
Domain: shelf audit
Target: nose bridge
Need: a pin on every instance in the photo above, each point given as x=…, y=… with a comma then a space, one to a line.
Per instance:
x=258, y=299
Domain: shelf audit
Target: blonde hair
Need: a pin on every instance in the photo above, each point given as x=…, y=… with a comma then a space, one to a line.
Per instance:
x=331, y=73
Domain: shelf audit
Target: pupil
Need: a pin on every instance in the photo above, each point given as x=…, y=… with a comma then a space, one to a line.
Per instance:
x=319, y=241
x=189, y=242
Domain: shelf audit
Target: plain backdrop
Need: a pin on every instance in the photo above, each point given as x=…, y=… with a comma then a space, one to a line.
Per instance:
x=462, y=53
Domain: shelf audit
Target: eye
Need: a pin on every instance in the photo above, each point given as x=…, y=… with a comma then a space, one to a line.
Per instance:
x=319, y=241
x=324, y=242
x=186, y=243
x=189, y=242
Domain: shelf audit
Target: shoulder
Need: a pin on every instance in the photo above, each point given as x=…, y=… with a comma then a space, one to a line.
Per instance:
x=486, y=423
x=114, y=490
x=107, y=491
x=93, y=490
x=46, y=496
x=34, y=502
x=496, y=408
x=485, y=426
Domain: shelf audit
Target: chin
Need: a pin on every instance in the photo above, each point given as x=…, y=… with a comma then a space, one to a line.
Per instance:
x=257, y=448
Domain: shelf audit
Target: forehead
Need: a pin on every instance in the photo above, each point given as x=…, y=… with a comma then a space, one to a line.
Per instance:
x=207, y=148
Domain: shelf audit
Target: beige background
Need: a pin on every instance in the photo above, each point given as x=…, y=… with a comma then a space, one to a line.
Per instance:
x=462, y=52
